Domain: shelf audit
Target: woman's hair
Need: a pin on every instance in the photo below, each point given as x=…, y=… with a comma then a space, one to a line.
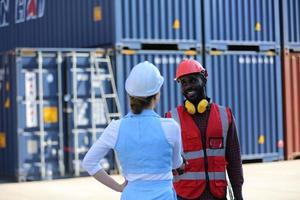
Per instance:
x=137, y=104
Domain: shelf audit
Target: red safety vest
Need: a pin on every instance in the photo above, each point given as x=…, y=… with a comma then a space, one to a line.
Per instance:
x=192, y=183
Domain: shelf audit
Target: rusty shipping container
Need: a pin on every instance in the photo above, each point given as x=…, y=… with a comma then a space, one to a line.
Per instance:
x=291, y=84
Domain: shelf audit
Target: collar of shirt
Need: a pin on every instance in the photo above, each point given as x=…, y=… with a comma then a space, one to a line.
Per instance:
x=144, y=113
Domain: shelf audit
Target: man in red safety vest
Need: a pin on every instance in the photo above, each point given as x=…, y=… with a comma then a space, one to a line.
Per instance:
x=209, y=140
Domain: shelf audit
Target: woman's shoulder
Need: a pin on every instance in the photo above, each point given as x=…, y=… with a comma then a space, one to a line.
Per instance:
x=169, y=122
x=114, y=124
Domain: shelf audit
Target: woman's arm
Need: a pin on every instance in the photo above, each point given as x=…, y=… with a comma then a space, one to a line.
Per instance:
x=91, y=161
x=105, y=179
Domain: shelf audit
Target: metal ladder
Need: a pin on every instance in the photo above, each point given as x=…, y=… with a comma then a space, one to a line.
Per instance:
x=108, y=91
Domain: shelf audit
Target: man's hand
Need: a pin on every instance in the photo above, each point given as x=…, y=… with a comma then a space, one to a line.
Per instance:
x=180, y=170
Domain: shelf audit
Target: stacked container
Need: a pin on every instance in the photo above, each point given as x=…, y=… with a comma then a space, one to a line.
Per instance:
x=291, y=76
x=242, y=24
x=162, y=32
x=31, y=112
x=166, y=61
x=249, y=83
x=47, y=123
x=117, y=24
x=242, y=43
x=120, y=23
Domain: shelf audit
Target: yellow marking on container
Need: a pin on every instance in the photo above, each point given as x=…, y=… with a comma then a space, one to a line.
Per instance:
x=270, y=53
x=2, y=140
x=176, y=24
x=7, y=86
x=261, y=139
x=7, y=103
x=190, y=53
x=128, y=52
x=97, y=13
x=50, y=115
x=215, y=53
x=99, y=53
x=28, y=52
x=257, y=26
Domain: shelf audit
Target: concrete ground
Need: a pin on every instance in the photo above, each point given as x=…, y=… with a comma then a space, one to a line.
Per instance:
x=263, y=181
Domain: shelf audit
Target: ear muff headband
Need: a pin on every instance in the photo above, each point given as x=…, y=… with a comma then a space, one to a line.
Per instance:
x=189, y=107
x=201, y=107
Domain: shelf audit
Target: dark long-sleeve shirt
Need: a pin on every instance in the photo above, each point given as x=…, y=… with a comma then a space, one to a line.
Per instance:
x=233, y=156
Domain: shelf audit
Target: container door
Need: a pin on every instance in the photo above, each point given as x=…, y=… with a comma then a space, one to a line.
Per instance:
x=85, y=111
x=39, y=115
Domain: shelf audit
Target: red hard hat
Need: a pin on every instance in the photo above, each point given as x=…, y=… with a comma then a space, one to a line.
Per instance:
x=190, y=66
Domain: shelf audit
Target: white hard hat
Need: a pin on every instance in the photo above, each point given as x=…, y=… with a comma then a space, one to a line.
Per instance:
x=144, y=80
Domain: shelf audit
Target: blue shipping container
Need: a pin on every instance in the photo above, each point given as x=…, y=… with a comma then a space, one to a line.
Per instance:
x=51, y=111
x=250, y=83
x=121, y=23
x=242, y=22
x=86, y=108
x=30, y=115
x=166, y=61
x=291, y=24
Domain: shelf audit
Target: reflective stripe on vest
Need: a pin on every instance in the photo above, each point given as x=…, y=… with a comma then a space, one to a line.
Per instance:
x=200, y=154
x=224, y=121
x=201, y=176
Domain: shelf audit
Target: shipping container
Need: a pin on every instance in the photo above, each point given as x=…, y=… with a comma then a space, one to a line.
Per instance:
x=166, y=61
x=231, y=23
x=52, y=111
x=291, y=84
x=121, y=23
x=291, y=24
x=87, y=81
x=31, y=114
x=250, y=83
x=2, y=89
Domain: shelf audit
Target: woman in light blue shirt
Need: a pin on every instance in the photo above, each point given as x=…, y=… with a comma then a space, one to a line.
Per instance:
x=147, y=145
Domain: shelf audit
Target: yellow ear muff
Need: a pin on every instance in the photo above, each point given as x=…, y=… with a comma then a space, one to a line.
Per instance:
x=202, y=105
x=189, y=107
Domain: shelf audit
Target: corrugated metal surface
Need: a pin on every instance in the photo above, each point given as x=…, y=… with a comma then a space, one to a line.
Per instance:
x=159, y=21
x=166, y=61
x=291, y=24
x=54, y=23
x=52, y=111
x=86, y=109
x=81, y=23
x=250, y=83
x=291, y=70
x=242, y=22
x=30, y=114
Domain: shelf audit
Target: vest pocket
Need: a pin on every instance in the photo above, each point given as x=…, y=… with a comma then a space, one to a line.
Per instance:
x=191, y=141
x=216, y=142
x=220, y=183
x=219, y=174
x=218, y=188
x=220, y=164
